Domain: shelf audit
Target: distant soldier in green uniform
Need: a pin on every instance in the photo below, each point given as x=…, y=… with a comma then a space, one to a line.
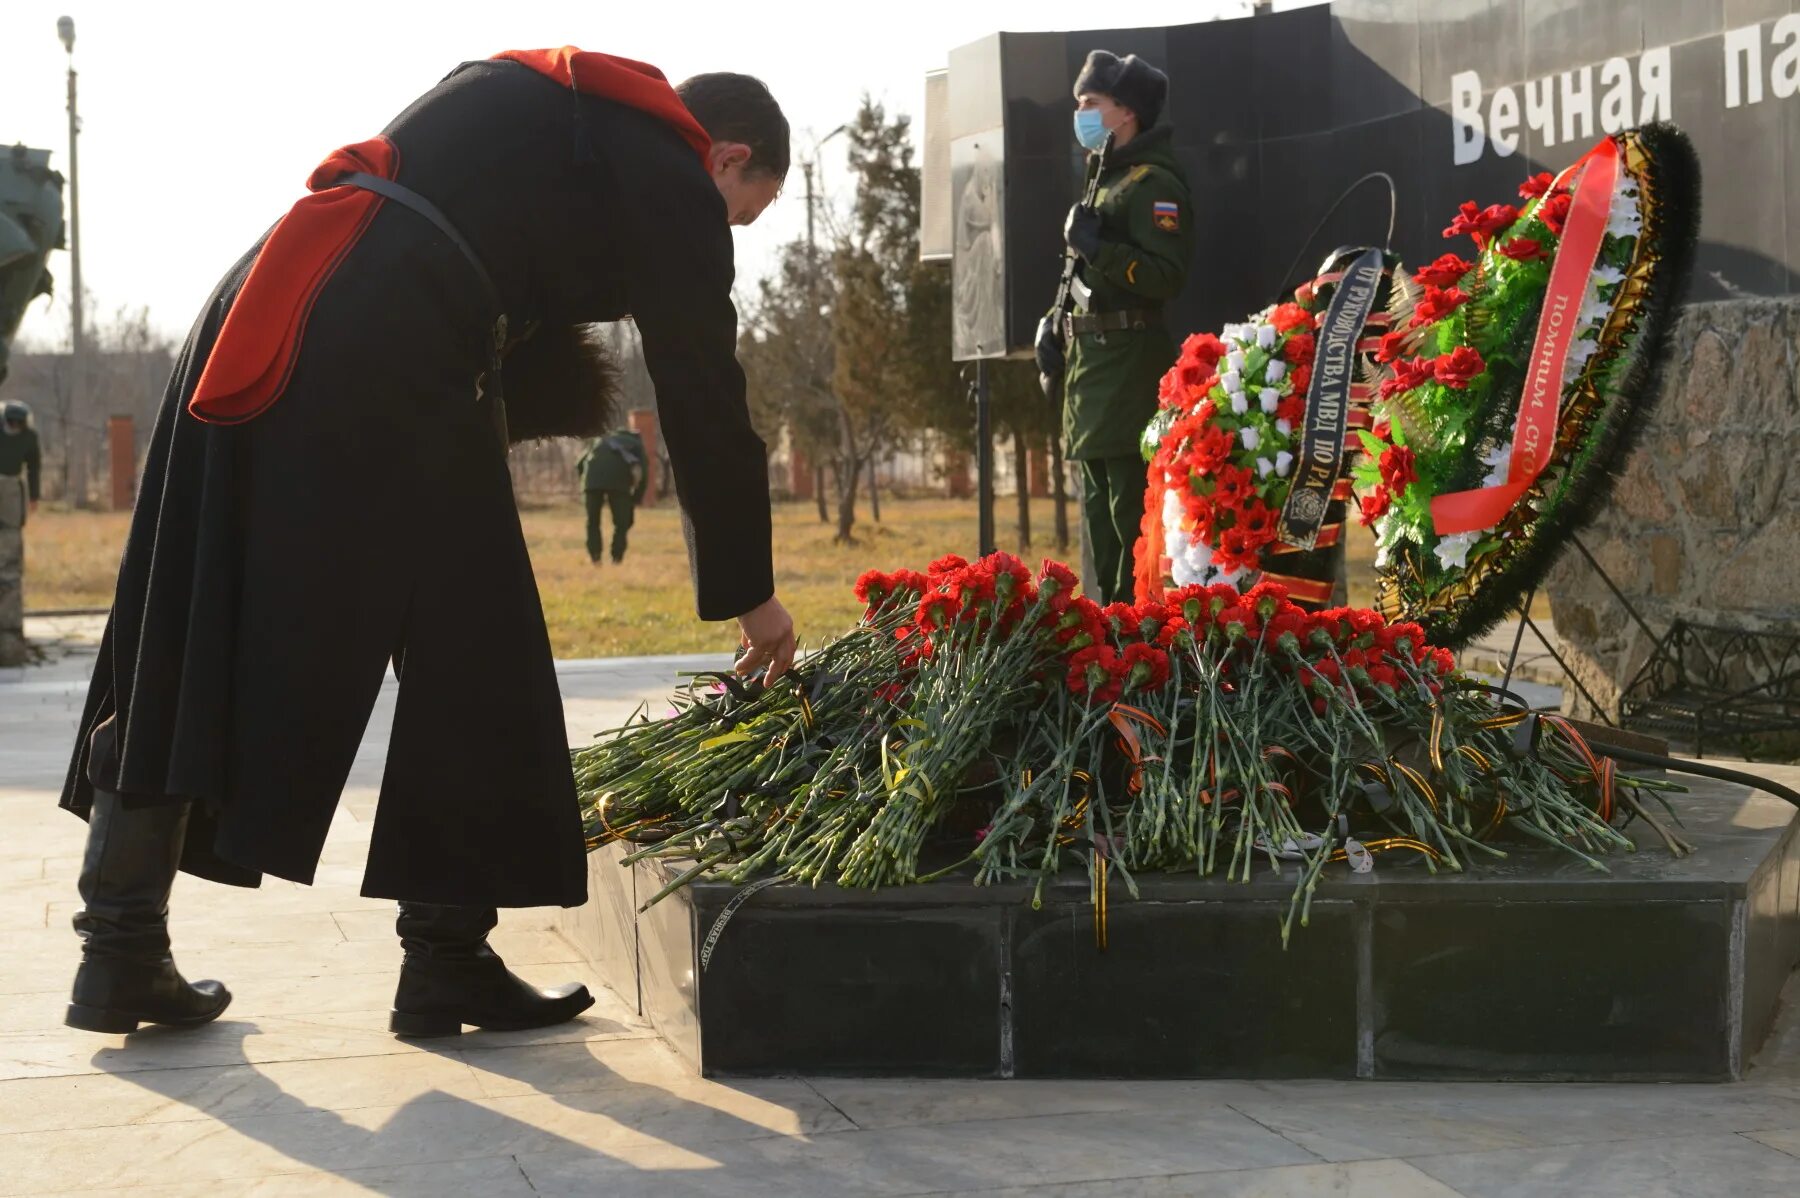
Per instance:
x=19, y=454
x=1134, y=245
x=614, y=471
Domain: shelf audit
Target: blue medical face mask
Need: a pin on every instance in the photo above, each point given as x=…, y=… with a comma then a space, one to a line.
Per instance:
x=1090, y=128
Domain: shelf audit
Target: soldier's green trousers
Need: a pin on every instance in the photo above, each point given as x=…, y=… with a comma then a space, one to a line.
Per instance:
x=1112, y=500
x=624, y=509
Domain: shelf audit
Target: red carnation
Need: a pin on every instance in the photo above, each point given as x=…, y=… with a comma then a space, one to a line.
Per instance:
x=1148, y=617
x=1146, y=667
x=1091, y=668
x=1374, y=505
x=1284, y=629
x=873, y=587
x=976, y=584
x=1554, y=212
x=1383, y=430
x=1536, y=186
x=1176, y=632
x=1291, y=408
x=1457, y=367
x=1302, y=377
x=937, y=611
x=1237, y=621
x=1120, y=617
x=1398, y=468
x=1267, y=598
x=1523, y=249
x=1289, y=316
x=944, y=566
x=1445, y=271
x=1192, y=601
x=1411, y=373
x=1443, y=662
x=1392, y=346
x=1056, y=579
x=1409, y=638
x=1437, y=303
x=1299, y=349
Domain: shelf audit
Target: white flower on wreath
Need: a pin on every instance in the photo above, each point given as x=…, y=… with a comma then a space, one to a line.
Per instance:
x=1594, y=311
x=1240, y=403
x=1268, y=397
x=1285, y=427
x=1607, y=275
x=1579, y=353
x=1625, y=221
x=1498, y=461
x=1275, y=371
x=1231, y=576
x=1389, y=532
x=1265, y=336
x=1232, y=380
x=1284, y=461
x=1249, y=436
x=1453, y=551
x=1234, y=361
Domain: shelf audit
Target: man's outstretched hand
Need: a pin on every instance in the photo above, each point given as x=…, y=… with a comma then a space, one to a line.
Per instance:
x=767, y=640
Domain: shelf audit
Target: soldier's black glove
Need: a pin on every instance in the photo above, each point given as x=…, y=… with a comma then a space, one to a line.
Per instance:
x=1050, y=359
x=1082, y=231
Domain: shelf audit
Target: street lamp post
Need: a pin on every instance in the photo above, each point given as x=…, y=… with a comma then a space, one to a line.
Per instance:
x=65, y=30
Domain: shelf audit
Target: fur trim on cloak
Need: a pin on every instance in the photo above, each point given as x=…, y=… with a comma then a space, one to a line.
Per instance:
x=561, y=381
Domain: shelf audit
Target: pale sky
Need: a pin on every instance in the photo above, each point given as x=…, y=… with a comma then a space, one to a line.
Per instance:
x=201, y=119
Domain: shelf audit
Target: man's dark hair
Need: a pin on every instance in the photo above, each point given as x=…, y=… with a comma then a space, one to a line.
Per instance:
x=739, y=108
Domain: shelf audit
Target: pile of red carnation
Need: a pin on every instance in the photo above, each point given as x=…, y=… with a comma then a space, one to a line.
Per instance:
x=1105, y=653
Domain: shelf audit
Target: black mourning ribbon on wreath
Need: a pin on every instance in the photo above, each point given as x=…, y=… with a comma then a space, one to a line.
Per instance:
x=1321, y=456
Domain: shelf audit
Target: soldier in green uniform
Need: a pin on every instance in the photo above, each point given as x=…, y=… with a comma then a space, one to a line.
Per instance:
x=614, y=471
x=19, y=454
x=1134, y=245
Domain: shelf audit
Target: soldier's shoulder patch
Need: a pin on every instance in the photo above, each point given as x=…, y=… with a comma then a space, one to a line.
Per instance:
x=1167, y=215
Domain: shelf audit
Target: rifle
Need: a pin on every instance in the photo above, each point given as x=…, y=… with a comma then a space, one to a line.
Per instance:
x=1065, y=287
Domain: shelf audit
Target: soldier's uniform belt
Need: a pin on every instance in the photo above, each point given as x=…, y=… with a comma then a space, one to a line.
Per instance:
x=1113, y=322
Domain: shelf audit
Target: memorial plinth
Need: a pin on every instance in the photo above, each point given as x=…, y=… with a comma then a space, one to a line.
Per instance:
x=1531, y=967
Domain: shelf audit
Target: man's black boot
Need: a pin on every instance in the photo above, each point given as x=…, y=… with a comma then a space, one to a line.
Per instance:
x=450, y=977
x=127, y=976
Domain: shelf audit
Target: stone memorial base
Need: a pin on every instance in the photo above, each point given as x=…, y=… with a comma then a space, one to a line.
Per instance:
x=1532, y=967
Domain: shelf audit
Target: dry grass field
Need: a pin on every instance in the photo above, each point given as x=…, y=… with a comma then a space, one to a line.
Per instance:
x=646, y=605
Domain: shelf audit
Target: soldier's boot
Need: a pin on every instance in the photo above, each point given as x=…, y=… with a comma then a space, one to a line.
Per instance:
x=451, y=977
x=127, y=975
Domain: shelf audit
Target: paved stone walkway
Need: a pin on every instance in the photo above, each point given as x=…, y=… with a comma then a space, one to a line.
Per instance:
x=299, y=1090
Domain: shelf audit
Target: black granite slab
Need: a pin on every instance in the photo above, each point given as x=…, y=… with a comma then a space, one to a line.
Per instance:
x=1531, y=966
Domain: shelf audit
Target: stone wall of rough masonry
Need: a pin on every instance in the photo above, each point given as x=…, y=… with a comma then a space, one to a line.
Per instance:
x=1705, y=521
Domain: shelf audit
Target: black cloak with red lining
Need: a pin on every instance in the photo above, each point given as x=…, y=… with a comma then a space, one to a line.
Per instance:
x=364, y=514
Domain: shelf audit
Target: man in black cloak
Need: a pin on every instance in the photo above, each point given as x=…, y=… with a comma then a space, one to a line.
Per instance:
x=326, y=492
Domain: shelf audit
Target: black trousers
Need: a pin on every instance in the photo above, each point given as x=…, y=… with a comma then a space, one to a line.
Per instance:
x=624, y=510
